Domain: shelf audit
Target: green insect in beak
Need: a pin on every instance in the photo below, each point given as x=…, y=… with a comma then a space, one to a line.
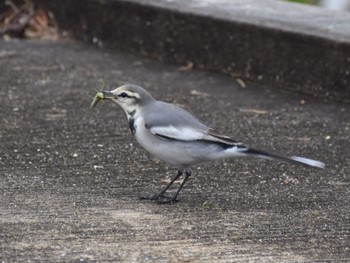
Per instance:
x=99, y=96
x=102, y=95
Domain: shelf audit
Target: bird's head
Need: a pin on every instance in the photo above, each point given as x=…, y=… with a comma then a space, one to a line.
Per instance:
x=129, y=97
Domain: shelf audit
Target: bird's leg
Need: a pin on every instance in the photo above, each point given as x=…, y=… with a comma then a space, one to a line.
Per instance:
x=173, y=199
x=161, y=193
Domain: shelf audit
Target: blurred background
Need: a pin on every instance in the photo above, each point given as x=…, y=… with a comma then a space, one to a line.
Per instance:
x=329, y=4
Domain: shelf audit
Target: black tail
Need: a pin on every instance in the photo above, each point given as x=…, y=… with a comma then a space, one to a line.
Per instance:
x=291, y=159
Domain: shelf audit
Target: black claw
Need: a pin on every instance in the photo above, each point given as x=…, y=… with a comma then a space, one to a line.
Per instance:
x=170, y=201
x=161, y=199
x=155, y=197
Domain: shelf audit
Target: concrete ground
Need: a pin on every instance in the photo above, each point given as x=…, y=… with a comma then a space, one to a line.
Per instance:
x=71, y=177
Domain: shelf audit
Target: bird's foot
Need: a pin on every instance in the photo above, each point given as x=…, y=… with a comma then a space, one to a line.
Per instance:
x=170, y=201
x=161, y=198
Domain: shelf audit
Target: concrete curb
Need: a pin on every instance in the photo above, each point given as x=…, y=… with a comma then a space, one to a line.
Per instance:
x=282, y=45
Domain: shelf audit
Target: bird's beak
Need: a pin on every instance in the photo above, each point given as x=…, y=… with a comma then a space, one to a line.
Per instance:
x=101, y=95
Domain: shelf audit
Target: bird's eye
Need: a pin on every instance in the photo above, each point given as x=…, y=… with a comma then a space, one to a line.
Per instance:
x=123, y=95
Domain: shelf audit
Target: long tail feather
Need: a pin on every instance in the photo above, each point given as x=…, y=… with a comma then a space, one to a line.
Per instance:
x=291, y=159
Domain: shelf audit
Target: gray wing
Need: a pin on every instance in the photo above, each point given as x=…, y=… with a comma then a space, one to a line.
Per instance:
x=170, y=122
x=167, y=120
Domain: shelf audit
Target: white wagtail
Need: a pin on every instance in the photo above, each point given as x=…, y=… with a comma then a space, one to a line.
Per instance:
x=176, y=137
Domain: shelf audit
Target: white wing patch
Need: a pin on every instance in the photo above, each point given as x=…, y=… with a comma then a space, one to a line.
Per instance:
x=178, y=133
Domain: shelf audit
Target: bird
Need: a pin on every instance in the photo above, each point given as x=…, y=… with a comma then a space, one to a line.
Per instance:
x=176, y=137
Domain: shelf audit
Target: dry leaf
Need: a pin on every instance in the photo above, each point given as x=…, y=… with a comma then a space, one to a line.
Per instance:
x=25, y=21
x=199, y=93
x=187, y=67
x=253, y=111
x=241, y=82
x=299, y=139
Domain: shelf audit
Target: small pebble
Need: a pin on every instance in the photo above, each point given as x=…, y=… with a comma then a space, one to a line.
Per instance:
x=96, y=167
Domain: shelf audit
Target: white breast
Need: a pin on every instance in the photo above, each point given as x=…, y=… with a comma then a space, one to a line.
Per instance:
x=162, y=149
